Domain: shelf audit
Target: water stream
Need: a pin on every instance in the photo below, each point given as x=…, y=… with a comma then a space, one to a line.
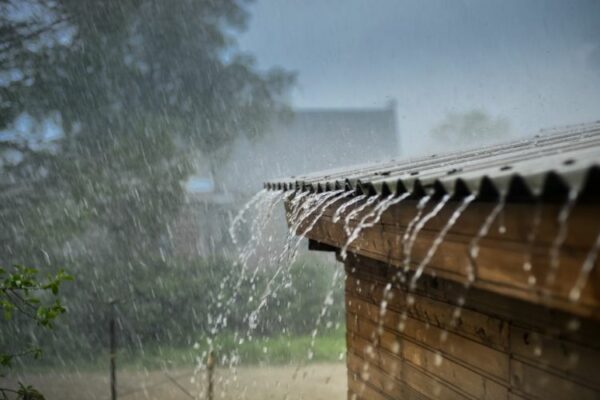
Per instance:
x=305, y=209
x=357, y=211
x=239, y=218
x=338, y=213
x=312, y=204
x=531, y=237
x=562, y=221
x=473, y=250
x=407, y=233
x=440, y=238
x=584, y=273
x=375, y=216
x=420, y=225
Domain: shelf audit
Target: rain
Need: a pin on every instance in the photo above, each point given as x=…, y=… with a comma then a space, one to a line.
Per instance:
x=255, y=199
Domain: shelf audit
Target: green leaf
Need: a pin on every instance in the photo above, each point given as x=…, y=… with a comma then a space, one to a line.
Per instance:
x=28, y=393
x=6, y=360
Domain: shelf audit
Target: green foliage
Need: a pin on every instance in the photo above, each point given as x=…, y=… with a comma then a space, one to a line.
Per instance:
x=21, y=290
x=28, y=393
x=142, y=93
x=171, y=308
x=23, y=295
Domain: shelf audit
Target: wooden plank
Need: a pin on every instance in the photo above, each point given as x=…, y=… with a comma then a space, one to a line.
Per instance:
x=429, y=386
x=480, y=327
x=543, y=384
x=517, y=220
x=374, y=376
x=573, y=361
x=499, y=265
x=452, y=373
x=362, y=390
x=394, y=387
x=485, y=360
x=568, y=355
x=515, y=396
x=372, y=354
x=500, y=308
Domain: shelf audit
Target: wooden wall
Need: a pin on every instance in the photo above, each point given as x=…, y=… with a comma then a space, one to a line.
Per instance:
x=499, y=265
x=497, y=347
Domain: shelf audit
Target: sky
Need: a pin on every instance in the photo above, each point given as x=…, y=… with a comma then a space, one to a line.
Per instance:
x=535, y=63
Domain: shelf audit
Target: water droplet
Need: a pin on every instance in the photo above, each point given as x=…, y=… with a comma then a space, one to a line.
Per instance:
x=401, y=326
x=574, y=324
x=444, y=336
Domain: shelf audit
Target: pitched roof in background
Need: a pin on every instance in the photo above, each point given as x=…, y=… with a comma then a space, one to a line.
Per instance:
x=547, y=165
x=311, y=139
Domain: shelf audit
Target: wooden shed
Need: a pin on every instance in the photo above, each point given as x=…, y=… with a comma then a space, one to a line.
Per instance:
x=472, y=275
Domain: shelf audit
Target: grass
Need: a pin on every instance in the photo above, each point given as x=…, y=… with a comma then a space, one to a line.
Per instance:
x=262, y=351
x=329, y=347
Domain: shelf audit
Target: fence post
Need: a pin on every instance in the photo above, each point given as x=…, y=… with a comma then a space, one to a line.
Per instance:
x=210, y=366
x=113, y=352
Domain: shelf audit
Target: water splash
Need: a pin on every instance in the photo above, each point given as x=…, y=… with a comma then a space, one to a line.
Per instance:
x=473, y=250
x=258, y=228
x=440, y=238
x=257, y=214
x=375, y=214
x=563, y=229
x=239, y=218
x=334, y=199
x=327, y=303
x=318, y=201
x=321, y=201
x=298, y=203
x=584, y=273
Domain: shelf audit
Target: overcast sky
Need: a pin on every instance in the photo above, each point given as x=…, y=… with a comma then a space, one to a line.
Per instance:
x=537, y=63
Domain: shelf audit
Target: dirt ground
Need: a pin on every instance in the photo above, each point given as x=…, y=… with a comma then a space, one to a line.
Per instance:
x=315, y=381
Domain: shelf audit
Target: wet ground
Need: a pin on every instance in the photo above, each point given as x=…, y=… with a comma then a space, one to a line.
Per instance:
x=316, y=381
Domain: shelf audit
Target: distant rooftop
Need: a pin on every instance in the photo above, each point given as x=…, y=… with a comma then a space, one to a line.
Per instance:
x=314, y=139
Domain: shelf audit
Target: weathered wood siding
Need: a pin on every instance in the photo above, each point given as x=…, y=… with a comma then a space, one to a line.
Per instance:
x=494, y=347
x=499, y=265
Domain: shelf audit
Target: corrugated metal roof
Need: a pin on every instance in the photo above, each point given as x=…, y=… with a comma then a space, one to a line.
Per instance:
x=548, y=164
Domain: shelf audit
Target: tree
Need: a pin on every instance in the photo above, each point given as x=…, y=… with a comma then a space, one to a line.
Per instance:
x=470, y=128
x=23, y=296
x=139, y=90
